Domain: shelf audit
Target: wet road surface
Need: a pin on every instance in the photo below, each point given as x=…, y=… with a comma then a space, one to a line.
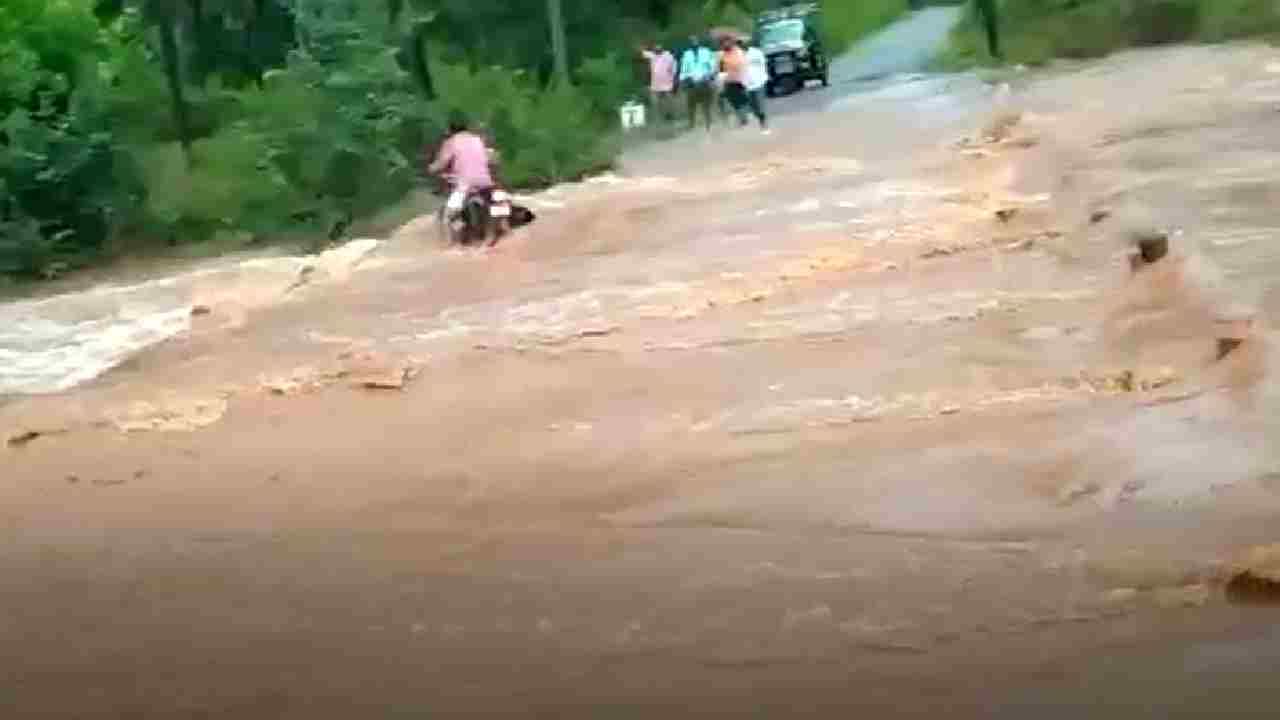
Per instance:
x=869, y=415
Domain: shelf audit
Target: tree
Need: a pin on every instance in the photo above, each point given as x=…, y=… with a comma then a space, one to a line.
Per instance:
x=559, y=48
x=163, y=14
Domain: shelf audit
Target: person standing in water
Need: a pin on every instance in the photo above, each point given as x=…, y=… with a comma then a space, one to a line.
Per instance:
x=757, y=79
x=662, y=79
x=733, y=67
x=697, y=80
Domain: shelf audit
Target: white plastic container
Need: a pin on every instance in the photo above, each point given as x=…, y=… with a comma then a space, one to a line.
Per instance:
x=632, y=115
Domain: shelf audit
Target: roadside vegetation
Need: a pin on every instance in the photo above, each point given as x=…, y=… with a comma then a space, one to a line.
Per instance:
x=847, y=22
x=1033, y=32
x=190, y=126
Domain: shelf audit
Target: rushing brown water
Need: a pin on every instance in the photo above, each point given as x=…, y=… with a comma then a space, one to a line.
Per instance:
x=856, y=416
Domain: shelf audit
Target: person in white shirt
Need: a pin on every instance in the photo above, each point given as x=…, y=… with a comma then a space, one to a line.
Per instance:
x=757, y=79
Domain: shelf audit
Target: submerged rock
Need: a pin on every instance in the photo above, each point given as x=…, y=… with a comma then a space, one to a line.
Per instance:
x=1254, y=577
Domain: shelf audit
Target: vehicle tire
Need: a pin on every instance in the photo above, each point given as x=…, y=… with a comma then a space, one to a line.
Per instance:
x=445, y=231
x=477, y=223
x=499, y=230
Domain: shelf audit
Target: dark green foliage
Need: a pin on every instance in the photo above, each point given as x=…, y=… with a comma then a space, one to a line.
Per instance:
x=58, y=169
x=1157, y=22
x=131, y=124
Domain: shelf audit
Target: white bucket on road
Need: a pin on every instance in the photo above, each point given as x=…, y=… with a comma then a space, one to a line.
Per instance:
x=632, y=115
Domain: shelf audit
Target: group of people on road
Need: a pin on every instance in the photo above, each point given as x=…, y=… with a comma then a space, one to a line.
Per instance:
x=732, y=76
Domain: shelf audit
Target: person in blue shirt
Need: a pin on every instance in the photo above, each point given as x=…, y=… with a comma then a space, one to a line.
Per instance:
x=697, y=79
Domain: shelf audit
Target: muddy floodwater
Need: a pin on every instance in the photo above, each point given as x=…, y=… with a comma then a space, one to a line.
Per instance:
x=882, y=412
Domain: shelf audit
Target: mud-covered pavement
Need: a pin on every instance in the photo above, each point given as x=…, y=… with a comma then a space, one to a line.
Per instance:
x=870, y=414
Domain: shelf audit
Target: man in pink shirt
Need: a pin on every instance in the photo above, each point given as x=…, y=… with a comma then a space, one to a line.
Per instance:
x=662, y=78
x=466, y=159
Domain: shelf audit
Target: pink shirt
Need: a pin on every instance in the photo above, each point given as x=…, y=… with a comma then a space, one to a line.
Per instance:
x=662, y=71
x=467, y=158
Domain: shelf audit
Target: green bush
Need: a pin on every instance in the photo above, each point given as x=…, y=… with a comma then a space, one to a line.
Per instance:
x=1036, y=31
x=1156, y=22
x=544, y=136
x=1227, y=19
x=127, y=124
x=607, y=82
x=26, y=251
x=847, y=22
x=60, y=189
x=228, y=187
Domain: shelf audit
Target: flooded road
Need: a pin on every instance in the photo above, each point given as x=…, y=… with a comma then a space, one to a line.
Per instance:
x=872, y=414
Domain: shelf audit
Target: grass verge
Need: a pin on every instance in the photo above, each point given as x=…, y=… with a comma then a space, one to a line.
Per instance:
x=848, y=21
x=1033, y=32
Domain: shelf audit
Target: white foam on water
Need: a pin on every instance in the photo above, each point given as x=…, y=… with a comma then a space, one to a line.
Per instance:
x=54, y=344
x=51, y=346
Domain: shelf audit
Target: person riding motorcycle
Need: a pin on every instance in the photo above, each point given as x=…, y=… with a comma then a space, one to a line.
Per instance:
x=466, y=162
x=464, y=159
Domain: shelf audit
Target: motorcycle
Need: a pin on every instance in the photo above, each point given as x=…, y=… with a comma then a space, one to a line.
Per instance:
x=484, y=218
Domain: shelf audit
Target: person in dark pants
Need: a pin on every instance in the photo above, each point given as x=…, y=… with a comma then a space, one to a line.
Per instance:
x=733, y=68
x=991, y=23
x=697, y=79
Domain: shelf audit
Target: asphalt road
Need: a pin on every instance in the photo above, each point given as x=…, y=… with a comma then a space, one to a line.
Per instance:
x=903, y=48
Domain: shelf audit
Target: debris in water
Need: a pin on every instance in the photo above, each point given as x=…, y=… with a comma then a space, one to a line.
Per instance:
x=1237, y=325
x=1152, y=247
x=939, y=251
x=1226, y=346
x=1076, y=491
x=394, y=379
x=805, y=206
x=1120, y=596
x=1020, y=245
x=375, y=371
x=1246, y=588
x=819, y=617
x=1127, y=381
x=24, y=438
x=1254, y=579
x=884, y=637
x=598, y=332
x=302, y=379
x=1188, y=596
